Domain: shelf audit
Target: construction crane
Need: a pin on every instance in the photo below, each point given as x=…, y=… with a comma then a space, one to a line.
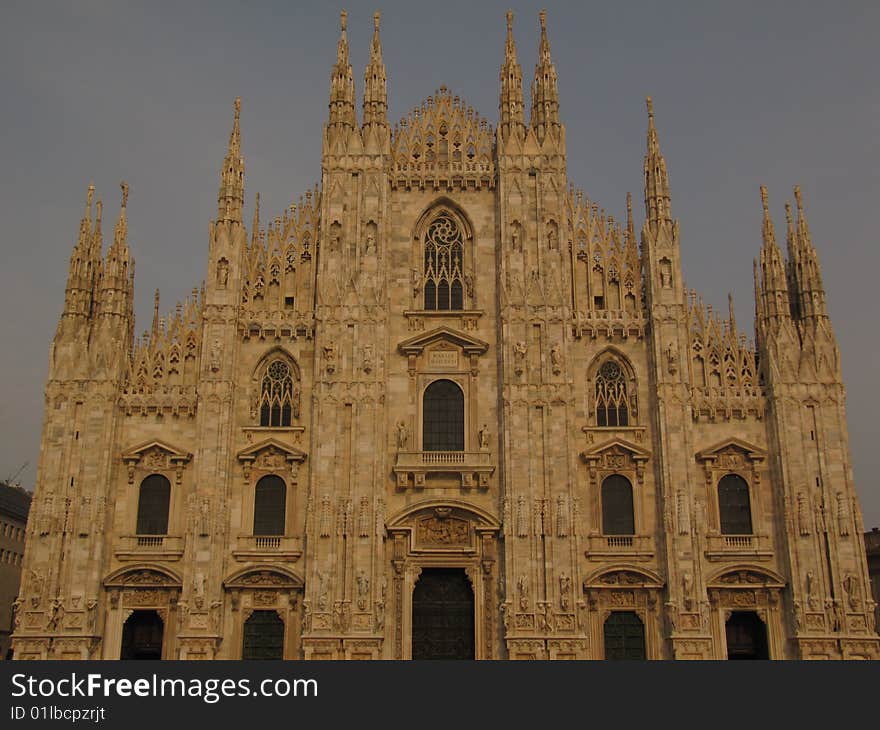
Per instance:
x=10, y=479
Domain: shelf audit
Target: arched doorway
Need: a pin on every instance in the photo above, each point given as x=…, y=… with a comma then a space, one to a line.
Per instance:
x=443, y=615
x=624, y=635
x=263, y=636
x=142, y=636
x=746, y=636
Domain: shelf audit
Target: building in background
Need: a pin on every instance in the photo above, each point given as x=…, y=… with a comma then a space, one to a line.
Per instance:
x=14, y=505
x=444, y=406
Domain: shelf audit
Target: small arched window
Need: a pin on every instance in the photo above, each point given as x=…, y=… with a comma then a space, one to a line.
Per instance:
x=443, y=417
x=263, y=636
x=443, y=276
x=276, y=395
x=617, y=506
x=612, y=403
x=270, y=502
x=624, y=636
x=734, y=505
x=153, y=501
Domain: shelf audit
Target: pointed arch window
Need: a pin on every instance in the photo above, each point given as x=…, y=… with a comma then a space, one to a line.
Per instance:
x=617, y=506
x=444, y=255
x=154, y=498
x=270, y=504
x=277, y=395
x=734, y=505
x=612, y=400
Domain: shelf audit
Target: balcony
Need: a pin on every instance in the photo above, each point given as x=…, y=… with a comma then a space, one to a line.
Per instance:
x=154, y=547
x=267, y=547
x=632, y=547
x=723, y=547
x=468, y=468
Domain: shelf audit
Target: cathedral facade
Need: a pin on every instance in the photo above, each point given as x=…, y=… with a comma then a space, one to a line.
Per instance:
x=444, y=407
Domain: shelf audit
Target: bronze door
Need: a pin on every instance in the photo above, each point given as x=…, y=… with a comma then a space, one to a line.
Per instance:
x=443, y=615
x=746, y=636
x=142, y=636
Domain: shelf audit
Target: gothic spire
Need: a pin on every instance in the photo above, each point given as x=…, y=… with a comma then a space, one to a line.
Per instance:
x=115, y=286
x=511, y=105
x=342, y=82
x=375, y=85
x=774, y=284
x=120, y=233
x=810, y=289
x=231, y=196
x=545, y=94
x=78, y=292
x=154, y=329
x=657, y=198
x=255, y=226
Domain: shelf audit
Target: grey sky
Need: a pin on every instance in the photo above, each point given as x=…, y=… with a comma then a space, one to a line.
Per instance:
x=745, y=94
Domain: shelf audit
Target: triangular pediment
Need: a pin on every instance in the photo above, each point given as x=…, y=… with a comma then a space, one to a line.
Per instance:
x=271, y=446
x=470, y=345
x=752, y=452
x=138, y=452
x=617, y=445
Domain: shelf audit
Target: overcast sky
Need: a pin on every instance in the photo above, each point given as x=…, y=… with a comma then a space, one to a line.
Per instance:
x=745, y=94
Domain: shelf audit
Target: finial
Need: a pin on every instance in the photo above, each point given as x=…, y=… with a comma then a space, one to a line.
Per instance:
x=629, y=205
x=764, y=200
x=649, y=102
x=155, y=327
x=89, y=195
x=376, y=17
x=788, y=219
x=124, y=186
x=99, y=210
x=542, y=17
x=797, y=197
x=509, y=21
x=343, y=18
x=237, y=107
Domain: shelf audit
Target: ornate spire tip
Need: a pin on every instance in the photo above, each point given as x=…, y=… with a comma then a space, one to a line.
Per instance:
x=764, y=200
x=376, y=17
x=509, y=21
x=124, y=186
x=649, y=102
x=797, y=197
x=542, y=16
x=343, y=20
x=237, y=106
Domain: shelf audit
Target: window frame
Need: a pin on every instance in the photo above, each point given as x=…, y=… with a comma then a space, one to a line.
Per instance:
x=632, y=506
x=168, y=504
x=750, y=503
x=283, y=510
x=423, y=413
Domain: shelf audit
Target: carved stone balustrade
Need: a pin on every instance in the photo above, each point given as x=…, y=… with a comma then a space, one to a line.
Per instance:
x=267, y=547
x=469, y=468
x=630, y=547
x=152, y=547
x=739, y=547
